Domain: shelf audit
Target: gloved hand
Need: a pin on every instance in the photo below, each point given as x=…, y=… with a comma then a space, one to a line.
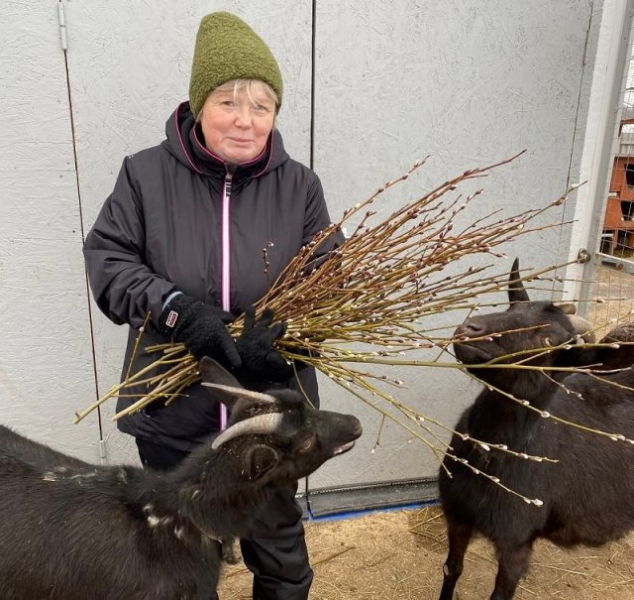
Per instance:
x=202, y=328
x=255, y=346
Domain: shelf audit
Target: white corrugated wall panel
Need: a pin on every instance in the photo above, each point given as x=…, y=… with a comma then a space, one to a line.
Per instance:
x=467, y=83
x=46, y=365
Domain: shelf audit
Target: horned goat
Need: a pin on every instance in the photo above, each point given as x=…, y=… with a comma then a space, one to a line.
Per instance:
x=72, y=531
x=588, y=495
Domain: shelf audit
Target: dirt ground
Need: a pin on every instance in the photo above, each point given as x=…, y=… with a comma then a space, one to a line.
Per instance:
x=399, y=555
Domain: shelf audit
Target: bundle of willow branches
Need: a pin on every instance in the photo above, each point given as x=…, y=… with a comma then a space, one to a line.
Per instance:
x=367, y=301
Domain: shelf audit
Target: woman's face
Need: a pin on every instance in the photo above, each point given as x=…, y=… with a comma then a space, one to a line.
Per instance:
x=235, y=127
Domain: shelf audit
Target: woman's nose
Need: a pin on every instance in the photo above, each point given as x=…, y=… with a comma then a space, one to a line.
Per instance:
x=243, y=116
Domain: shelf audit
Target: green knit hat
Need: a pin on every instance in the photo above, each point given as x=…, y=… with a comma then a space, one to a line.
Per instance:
x=227, y=48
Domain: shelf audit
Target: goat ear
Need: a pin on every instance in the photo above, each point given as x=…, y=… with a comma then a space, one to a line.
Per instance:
x=259, y=460
x=516, y=290
x=213, y=372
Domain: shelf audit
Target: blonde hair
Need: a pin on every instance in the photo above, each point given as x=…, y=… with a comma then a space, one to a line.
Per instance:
x=251, y=87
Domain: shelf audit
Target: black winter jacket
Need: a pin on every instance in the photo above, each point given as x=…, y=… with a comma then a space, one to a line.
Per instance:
x=177, y=220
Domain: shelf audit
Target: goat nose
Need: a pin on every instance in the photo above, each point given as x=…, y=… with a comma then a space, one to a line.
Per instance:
x=471, y=328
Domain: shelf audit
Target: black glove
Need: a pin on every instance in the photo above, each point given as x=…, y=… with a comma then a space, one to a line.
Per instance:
x=201, y=327
x=255, y=346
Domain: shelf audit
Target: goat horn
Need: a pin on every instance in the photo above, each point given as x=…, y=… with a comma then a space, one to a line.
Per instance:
x=516, y=290
x=583, y=328
x=260, y=424
x=241, y=392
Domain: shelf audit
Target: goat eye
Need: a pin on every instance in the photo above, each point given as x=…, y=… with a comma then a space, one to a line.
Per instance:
x=306, y=445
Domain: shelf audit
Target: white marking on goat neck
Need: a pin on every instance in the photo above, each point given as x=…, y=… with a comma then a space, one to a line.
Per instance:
x=153, y=520
x=50, y=477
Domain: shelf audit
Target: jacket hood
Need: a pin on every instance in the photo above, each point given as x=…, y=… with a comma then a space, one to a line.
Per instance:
x=185, y=142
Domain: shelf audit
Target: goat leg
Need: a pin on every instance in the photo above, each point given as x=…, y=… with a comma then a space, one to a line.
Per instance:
x=459, y=538
x=512, y=565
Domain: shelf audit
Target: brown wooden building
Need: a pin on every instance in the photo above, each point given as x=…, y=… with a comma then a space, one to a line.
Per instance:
x=618, y=224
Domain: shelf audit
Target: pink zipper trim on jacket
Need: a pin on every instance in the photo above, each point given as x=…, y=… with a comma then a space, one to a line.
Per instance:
x=226, y=244
x=226, y=268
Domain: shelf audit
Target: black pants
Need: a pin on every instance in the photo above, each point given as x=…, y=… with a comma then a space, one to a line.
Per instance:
x=275, y=552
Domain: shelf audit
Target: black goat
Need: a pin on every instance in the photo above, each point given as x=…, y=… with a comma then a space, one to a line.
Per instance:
x=74, y=531
x=588, y=496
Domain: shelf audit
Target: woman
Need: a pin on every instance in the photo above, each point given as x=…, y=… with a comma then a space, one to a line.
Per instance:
x=181, y=238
